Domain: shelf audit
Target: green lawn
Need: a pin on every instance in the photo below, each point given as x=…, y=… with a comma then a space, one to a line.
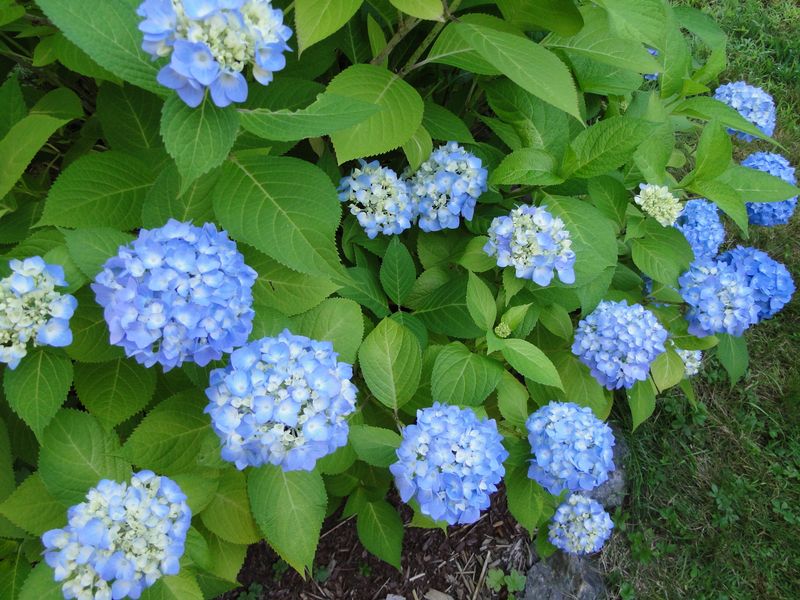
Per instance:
x=714, y=510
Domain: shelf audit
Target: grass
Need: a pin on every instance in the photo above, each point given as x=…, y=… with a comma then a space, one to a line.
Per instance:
x=715, y=507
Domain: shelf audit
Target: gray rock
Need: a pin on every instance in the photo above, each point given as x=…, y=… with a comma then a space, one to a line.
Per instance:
x=395, y=597
x=611, y=493
x=564, y=577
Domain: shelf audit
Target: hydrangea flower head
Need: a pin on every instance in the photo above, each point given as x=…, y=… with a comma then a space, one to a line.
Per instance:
x=618, y=342
x=378, y=198
x=282, y=400
x=692, y=360
x=572, y=449
x=534, y=242
x=177, y=293
x=450, y=462
x=211, y=42
x=769, y=214
x=659, y=203
x=121, y=540
x=652, y=76
x=719, y=298
x=32, y=310
x=580, y=525
x=753, y=103
x=771, y=282
x=446, y=187
x=701, y=226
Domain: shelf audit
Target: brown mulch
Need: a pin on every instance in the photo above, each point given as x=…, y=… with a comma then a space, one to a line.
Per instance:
x=454, y=564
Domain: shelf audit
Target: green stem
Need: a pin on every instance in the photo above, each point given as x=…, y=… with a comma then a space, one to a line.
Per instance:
x=411, y=63
x=402, y=31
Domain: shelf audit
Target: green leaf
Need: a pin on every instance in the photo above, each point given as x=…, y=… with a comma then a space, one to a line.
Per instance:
x=165, y=200
x=418, y=148
x=114, y=391
x=285, y=207
x=610, y=197
x=732, y=353
x=398, y=272
x=642, y=20
x=561, y=16
x=526, y=166
x=182, y=586
x=512, y=400
x=289, y=507
x=663, y=253
x=228, y=513
x=757, y=186
x=335, y=320
x=556, y=320
x=667, y=370
x=377, y=40
x=462, y=377
x=475, y=258
x=443, y=125
x=363, y=287
x=327, y=114
x=90, y=248
x=380, y=530
x=708, y=109
x=580, y=387
x=480, y=302
x=422, y=9
x=604, y=146
x=450, y=48
x=130, y=118
x=399, y=118
x=170, y=438
x=90, y=332
x=199, y=138
x=317, y=19
x=525, y=498
x=38, y=387
x=642, y=402
x=714, y=151
x=109, y=34
x=226, y=559
x=526, y=63
x=99, y=190
x=374, y=445
x=40, y=585
x=531, y=362
x=725, y=197
x=443, y=309
x=32, y=508
x=12, y=99
x=76, y=453
x=14, y=569
x=391, y=362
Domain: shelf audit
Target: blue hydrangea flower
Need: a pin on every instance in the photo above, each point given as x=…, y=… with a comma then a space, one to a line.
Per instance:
x=572, y=449
x=31, y=310
x=652, y=76
x=580, y=526
x=618, y=342
x=719, y=298
x=450, y=462
x=534, y=242
x=177, y=293
x=211, y=42
x=121, y=540
x=769, y=214
x=692, y=361
x=771, y=282
x=701, y=226
x=378, y=198
x=446, y=187
x=753, y=103
x=282, y=401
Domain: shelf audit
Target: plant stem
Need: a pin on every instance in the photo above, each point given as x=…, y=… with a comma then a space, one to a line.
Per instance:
x=402, y=31
x=429, y=39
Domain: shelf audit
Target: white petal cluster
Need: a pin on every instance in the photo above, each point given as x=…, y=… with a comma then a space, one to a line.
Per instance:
x=659, y=203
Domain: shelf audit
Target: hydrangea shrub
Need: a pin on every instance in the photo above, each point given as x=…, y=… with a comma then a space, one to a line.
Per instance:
x=266, y=263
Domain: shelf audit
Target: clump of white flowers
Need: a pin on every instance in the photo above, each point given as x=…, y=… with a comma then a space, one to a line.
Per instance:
x=659, y=203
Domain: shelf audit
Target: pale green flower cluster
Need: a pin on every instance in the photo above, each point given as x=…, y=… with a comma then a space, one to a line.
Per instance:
x=659, y=203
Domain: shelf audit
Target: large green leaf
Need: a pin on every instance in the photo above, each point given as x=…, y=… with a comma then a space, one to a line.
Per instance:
x=40, y=585
x=642, y=402
x=667, y=369
x=228, y=513
x=38, y=387
x=317, y=19
x=512, y=400
x=90, y=248
x=450, y=48
x=327, y=114
x=526, y=63
x=14, y=102
x=663, y=253
x=114, y=391
x=109, y=34
x=14, y=570
x=285, y=207
x=391, y=362
x=76, y=453
x=182, y=586
x=580, y=387
x=422, y=9
x=443, y=125
x=380, y=530
x=399, y=118
x=130, y=118
x=531, y=362
x=732, y=353
x=525, y=498
x=100, y=190
x=443, y=307
x=526, y=166
x=725, y=197
x=375, y=445
x=714, y=151
x=398, y=272
x=462, y=377
x=166, y=201
x=641, y=20
x=708, y=109
x=289, y=507
x=32, y=508
x=480, y=302
x=757, y=186
x=336, y=320
x=90, y=332
x=604, y=146
x=561, y=16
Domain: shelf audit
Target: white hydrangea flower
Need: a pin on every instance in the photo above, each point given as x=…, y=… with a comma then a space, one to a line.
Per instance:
x=659, y=203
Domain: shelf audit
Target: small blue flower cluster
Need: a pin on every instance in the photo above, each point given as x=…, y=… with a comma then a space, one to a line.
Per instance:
x=618, y=342
x=211, y=42
x=572, y=449
x=580, y=526
x=534, y=242
x=177, y=293
x=282, y=401
x=753, y=103
x=450, y=462
x=719, y=298
x=446, y=187
x=378, y=198
x=770, y=281
x=692, y=360
x=701, y=226
x=769, y=214
x=32, y=310
x=652, y=76
x=121, y=540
